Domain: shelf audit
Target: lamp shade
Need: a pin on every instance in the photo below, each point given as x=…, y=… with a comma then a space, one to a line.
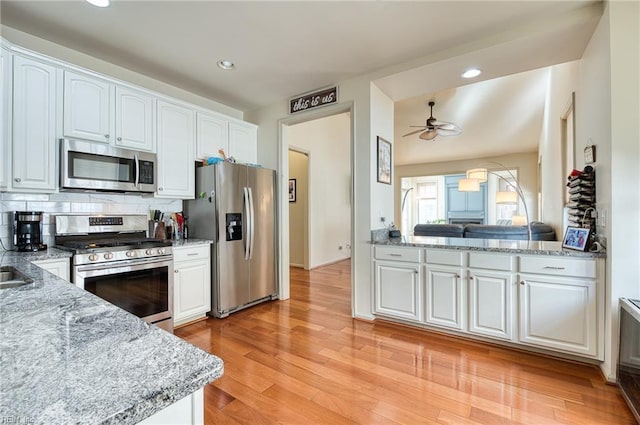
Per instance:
x=468, y=185
x=506, y=198
x=479, y=174
x=518, y=220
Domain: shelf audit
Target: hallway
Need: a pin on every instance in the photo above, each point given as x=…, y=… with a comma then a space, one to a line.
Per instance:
x=306, y=361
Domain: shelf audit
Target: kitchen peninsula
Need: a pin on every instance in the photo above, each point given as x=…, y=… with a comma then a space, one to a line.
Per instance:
x=532, y=295
x=68, y=356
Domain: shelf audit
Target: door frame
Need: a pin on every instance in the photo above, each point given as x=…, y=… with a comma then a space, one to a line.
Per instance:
x=283, y=182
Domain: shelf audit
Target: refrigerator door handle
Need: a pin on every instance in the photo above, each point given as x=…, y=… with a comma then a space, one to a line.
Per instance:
x=247, y=223
x=252, y=220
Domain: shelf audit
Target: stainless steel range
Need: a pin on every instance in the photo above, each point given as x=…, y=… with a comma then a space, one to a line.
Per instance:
x=114, y=259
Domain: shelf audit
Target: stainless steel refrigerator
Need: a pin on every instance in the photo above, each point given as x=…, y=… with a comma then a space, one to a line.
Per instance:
x=235, y=207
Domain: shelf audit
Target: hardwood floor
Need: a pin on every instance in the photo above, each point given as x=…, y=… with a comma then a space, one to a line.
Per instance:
x=306, y=361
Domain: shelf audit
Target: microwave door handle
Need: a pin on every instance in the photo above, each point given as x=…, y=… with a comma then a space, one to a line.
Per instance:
x=137, y=165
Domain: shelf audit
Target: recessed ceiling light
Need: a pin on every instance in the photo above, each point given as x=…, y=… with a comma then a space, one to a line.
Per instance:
x=471, y=73
x=99, y=3
x=226, y=64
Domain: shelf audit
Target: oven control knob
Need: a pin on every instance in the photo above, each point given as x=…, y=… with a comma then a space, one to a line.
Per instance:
x=108, y=256
x=160, y=251
x=131, y=254
x=93, y=257
x=149, y=252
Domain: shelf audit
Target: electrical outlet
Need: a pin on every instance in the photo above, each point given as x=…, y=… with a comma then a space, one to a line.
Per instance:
x=340, y=247
x=348, y=245
x=382, y=219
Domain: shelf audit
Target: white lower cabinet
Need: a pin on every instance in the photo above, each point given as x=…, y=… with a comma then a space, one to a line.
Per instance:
x=188, y=411
x=558, y=313
x=445, y=296
x=56, y=266
x=398, y=290
x=491, y=303
x=191, y=283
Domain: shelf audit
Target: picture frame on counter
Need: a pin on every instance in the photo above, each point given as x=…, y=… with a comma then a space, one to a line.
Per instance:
x=292, y=190
x=576, y=238
x=384, y=161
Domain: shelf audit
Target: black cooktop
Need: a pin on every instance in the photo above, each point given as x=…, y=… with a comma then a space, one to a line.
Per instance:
x=87, y=243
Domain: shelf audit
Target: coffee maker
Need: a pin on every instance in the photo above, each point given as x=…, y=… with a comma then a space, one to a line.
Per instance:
x=27, y=231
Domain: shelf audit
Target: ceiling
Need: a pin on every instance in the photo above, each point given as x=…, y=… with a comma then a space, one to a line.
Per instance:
x=413, y=51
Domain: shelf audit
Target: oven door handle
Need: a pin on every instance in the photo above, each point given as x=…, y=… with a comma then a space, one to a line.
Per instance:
x=140, y=264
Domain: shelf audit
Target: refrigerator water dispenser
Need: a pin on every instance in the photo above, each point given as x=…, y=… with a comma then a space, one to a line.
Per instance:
x=234, y=226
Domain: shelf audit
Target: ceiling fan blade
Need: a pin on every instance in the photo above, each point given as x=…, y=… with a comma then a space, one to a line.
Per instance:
x=430, y=134
x=445, y=132
x=414, y=132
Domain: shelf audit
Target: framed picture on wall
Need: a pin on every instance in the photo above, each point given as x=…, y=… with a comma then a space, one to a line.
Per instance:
x=384, y=161
x=576, y=238
x=292, y=190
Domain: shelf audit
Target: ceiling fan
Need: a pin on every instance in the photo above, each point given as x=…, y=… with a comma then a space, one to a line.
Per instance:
x=434, y=128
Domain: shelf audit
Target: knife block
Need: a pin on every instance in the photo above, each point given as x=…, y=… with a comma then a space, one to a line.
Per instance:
x=157, y=230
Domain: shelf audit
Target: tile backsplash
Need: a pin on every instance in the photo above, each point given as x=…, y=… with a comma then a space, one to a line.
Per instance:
x=74, y=203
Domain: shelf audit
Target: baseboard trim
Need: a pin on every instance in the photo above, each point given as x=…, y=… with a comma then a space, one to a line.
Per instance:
x=330, y=262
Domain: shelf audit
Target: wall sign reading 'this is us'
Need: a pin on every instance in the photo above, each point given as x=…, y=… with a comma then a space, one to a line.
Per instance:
x=313, y=100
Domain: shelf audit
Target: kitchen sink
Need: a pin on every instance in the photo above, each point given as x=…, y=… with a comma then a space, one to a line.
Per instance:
x=11, y=278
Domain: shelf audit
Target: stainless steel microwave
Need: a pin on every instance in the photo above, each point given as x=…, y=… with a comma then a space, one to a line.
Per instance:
x=96, y=166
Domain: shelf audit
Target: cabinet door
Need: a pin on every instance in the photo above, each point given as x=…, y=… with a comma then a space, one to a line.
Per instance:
x=491, y=305
x=558, y=313
x=243, y=142
x=58, y=267
x=398, y=290
x=34, y=125
x=192, y=290
x=134, y=119
x=212, y=135
x=87, y=108
x=5, y=116
x=176, y=151
x=445, y=297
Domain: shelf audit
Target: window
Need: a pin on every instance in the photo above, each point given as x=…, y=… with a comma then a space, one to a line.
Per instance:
x=506, y=183
x=427, y=197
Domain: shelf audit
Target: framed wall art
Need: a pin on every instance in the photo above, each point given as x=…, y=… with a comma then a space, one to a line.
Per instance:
x=384, y=161
x=292, y=190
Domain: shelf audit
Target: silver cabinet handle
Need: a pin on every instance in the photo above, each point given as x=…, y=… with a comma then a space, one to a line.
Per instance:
x=160, y=189
x=106, y=136
x=175, y=271
x=457, y=276
x=553, y=267
x=471, y=278
x=17, y=179
x=416, y=272
x=191, y=254
x=395, y=255
x=522, y=282
x=119, y=139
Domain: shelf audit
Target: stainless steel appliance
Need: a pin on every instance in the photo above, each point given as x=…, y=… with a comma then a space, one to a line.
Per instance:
x=235, y=207
x=96, y=166
x=114, y=260
x=27, y=231
x=629, y=355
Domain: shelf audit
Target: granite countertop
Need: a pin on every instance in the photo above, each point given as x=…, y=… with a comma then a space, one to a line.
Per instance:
x=68, y=356
x=191, y=241
x=493, y=245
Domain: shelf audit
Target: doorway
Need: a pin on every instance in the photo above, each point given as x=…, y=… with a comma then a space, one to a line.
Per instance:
x=326, y=137
x=299, y=195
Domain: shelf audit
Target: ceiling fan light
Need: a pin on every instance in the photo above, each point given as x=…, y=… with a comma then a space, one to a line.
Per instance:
x=429, y=134
x=99, y=3
x=471, y=73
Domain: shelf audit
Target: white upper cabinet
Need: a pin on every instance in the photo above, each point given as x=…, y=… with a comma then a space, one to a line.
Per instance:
x=87, y=108
x=212, y=135
x=134, y=119
x=176, y=151
x=5, y=116
x=34, y=125
x=243, y=142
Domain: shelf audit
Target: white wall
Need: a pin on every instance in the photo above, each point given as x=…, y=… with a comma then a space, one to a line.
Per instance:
x=525, y=163
x=381, y=125
x=328, y=141
x=298, y=210
x=563, y=80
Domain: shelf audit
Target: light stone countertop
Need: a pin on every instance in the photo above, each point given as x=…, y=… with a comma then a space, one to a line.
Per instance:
x=491, y=245
x=190, y=242
x=67, y=356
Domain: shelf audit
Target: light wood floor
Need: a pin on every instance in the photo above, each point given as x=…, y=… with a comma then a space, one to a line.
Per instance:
x=306, y=361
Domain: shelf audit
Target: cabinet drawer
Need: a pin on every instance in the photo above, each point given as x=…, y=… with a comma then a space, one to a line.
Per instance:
x=484, y=260
x=197, y=252
x=398, y=254
x=559, y=266
x=441, y=256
